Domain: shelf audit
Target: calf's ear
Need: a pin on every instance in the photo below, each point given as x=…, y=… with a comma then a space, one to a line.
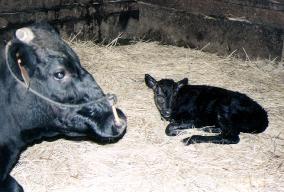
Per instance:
x=150, y=81
x=182, y=82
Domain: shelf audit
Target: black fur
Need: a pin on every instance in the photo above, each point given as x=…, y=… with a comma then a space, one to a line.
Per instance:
x=211, y=108
x=26, y=119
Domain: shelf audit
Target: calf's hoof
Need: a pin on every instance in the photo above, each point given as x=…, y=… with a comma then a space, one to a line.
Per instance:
x=171, y=130
x=187, y=141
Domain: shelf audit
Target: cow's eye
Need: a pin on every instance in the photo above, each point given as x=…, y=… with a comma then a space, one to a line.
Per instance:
x=59, y=75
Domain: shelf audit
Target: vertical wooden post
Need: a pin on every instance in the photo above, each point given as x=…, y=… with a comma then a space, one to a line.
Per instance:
x=282, y=56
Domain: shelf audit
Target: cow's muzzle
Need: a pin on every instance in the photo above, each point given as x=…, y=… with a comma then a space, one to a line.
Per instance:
x=106, y=124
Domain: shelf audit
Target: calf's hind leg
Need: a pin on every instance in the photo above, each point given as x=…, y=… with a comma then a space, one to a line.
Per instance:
x=10, y=185
x=229, y=132
x=216, y=139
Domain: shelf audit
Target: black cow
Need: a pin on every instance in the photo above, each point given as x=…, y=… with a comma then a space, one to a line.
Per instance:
x=211, y=108
x=46, y=95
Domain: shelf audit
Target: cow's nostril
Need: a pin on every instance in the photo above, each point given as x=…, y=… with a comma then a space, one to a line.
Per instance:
x=91, y=111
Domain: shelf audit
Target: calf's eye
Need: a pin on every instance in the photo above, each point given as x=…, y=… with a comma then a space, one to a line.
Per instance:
x=59, y=75
x=161, y=99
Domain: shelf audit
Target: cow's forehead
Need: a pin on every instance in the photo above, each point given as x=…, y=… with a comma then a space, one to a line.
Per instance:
x=48, y=45
x=40, y=36
x=47, y=39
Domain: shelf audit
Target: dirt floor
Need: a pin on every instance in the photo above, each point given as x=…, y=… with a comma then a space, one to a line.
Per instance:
x=146, y=160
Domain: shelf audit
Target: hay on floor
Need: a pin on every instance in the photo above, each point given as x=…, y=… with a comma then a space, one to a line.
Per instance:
x=146, y=159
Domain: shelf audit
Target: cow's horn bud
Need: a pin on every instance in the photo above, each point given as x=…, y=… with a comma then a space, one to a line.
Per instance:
x=25, y=35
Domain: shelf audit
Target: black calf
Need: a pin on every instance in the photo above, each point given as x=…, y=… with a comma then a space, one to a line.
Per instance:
x=215, y=109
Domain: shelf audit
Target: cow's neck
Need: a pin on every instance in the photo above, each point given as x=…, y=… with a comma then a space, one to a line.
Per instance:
x=4, y=94
x=30, y=119
x=9, y=145
x=19, y=115
x=16, y=121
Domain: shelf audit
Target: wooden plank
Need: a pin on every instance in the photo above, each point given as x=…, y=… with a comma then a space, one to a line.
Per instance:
x=22, y=5
x=277, y=5
x=89, y=20
x=267, y=12
x=264, y=4
x=13, y=6
x=216, y=34
x=64, y=11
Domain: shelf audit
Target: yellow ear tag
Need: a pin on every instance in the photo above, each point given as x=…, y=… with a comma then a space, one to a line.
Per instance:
x=24, y=72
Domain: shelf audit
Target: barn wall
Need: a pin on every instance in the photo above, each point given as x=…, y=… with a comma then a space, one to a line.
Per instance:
x=221, y=26
x=253, y=11
x=95, y=19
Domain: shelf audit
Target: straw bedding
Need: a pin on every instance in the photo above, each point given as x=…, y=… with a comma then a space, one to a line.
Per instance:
x=146, y=159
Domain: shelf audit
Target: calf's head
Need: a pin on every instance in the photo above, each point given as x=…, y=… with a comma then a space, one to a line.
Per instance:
x=165, y=91
x=51, y=68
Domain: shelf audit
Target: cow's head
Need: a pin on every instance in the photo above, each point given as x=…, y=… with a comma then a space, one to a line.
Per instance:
x=54, y=70
x=165, y=91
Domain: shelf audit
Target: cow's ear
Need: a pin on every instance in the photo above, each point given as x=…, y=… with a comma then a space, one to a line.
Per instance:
x=182, y=82
x=150, y=81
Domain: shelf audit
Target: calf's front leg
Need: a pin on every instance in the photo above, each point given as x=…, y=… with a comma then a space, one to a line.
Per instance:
x=173, y=129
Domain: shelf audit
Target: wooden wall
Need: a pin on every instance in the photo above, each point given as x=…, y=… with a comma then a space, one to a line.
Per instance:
x=89, y=19
x=270, y=12
x=221, y=26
